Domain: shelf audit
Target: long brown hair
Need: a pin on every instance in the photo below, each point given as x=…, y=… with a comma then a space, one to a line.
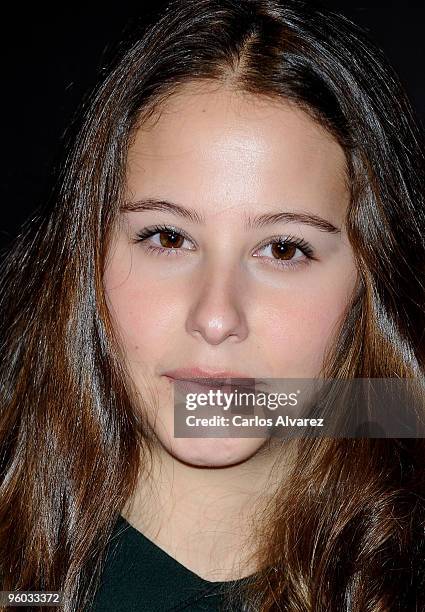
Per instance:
x=346, y=530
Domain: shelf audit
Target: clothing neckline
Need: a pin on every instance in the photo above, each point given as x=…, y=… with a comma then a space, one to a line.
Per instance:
x=148, y=542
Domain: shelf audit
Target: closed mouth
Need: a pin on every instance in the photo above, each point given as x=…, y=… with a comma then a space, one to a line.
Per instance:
x=203, y=385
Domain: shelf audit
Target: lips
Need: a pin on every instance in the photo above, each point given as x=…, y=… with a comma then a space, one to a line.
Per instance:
x=190, y=386
x=197, y=380
x=196, y=372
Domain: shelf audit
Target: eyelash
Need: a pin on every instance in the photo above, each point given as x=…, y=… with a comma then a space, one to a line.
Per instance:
x=301, y=244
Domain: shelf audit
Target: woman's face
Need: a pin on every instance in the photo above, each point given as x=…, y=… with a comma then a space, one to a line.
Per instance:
x=220, y=293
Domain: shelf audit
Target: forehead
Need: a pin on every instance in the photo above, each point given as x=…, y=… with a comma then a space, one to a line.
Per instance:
x=212, y=148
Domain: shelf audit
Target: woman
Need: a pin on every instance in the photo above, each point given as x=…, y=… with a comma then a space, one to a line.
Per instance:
x=243, y=198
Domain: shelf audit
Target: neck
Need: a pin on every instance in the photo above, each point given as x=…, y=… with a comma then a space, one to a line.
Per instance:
x=203, y=517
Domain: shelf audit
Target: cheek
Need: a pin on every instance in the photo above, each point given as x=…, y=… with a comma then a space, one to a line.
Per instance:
x=297, y=327
x=139, y=307
x=142, y=316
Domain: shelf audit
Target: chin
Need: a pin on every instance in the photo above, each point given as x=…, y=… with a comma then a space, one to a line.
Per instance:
x=213, y=452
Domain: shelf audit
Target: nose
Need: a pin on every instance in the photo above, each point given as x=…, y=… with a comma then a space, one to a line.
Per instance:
x=217, y=311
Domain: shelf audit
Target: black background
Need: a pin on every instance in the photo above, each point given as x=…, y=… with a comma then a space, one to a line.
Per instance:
x=50, y=62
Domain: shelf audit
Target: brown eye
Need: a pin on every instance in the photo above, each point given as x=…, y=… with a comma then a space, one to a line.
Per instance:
x=286, y=253
x=164, y=239
x=171, y=240
x=282, y=250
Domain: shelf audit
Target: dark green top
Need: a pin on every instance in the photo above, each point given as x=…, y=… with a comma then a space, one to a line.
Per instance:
x=139, y=576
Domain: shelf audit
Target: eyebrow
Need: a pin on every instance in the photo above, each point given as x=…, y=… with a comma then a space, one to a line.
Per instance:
x=257, y=221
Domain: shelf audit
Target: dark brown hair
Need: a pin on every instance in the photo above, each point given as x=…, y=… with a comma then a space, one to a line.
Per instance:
x=346, y=531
